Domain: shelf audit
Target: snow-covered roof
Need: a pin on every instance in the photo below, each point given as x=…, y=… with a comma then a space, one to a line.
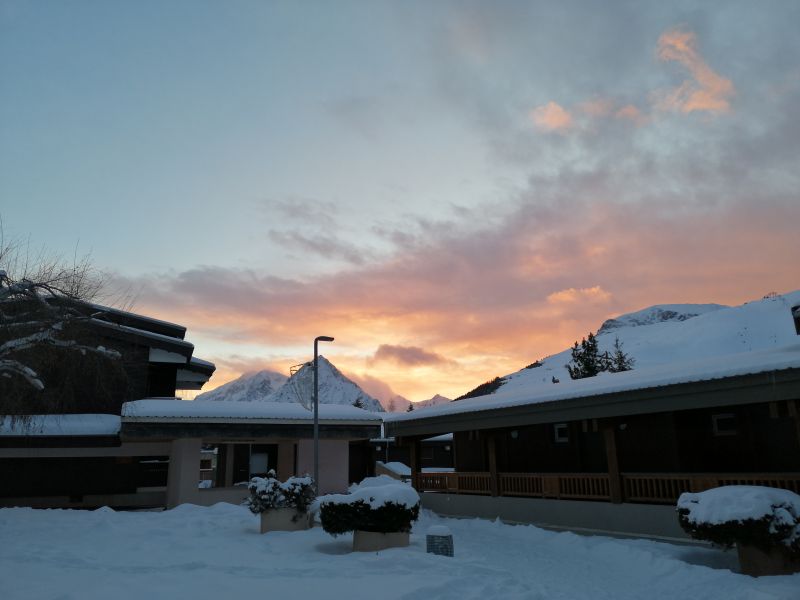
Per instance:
x=145, y=334
x=172, y=410
x=60, y=425
x=202, y=363
x=445, y=437
x=719, y=367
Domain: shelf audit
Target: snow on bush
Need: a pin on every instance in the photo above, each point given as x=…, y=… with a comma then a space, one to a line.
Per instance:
x=268, y=492
x=379, y=504
x=763, y=517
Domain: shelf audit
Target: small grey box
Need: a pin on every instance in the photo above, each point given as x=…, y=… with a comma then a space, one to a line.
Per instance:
x=440, y=541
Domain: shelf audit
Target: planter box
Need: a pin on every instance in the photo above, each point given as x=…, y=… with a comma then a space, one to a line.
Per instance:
x=754, y=561
x=284, y=519
x=371, y=541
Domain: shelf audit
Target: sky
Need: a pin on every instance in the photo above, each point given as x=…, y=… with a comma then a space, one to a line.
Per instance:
x=452, y=190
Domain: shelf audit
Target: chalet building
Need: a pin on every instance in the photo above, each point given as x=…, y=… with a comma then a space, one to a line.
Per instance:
x=613, y=453
x=145, y=448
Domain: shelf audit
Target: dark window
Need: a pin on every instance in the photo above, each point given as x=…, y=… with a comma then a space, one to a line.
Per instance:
x=561, y=432
x=724, y=424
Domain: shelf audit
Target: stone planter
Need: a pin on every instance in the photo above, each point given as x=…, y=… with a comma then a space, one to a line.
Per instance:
x=754, y=561
x=371, y=541
x=284, y=519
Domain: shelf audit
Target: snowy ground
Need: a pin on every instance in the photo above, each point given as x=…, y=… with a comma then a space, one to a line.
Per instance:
x=217, y=552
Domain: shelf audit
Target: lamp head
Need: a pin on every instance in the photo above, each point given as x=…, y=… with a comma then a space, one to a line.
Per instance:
x=323, y=338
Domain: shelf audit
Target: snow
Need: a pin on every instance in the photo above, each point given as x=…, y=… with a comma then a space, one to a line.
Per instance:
x=701, y=341
x=404, y=470
x=250, y=387
x=740, y=503
x=717, y=367
x=375, y=491
x=160, y=409
x=217, y=552
x=439, y=530
x=397, y=467
x=270, y=386
x=60, y=425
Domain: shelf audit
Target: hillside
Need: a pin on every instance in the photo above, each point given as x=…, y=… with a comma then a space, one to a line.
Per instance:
x=668, y=333
x=250, y=387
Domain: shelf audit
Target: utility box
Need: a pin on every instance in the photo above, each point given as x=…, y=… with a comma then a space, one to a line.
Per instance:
x=439, y=540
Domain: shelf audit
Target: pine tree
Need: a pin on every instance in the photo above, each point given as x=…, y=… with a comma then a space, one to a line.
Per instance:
x=358, y=403
x=586, y=359
x=410, y=407
x=619, y=361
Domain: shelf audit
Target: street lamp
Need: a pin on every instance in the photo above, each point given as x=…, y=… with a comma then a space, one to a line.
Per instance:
x=321, y=338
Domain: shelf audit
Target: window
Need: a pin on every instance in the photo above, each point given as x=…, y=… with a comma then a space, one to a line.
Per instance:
x=724, y=424
x=561, y=431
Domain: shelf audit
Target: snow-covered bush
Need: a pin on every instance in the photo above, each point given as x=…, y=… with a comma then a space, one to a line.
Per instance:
x=762, y=517
x=378, y=504
x=268, y=492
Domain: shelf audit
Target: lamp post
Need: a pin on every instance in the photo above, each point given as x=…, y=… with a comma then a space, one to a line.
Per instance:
x=321, y=338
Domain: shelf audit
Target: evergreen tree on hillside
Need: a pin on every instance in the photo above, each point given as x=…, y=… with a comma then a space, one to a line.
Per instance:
x=619, y=361
x=586, y=359
x=410, y=407
x=358, y=403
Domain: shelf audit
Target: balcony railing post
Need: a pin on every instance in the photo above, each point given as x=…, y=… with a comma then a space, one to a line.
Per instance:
x=415, y=467
x=614, y=480
x=494, y=487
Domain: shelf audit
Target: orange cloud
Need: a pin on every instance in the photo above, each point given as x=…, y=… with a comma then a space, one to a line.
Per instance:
x=551, y=117
x=706, y=91
x=630, y=113
x=597, y=107
x=594, y=294
x=475, y=299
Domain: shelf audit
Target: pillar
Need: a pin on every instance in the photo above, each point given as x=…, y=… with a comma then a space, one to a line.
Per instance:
x=184, y=471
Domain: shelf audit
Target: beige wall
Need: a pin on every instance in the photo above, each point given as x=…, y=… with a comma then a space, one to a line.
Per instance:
x=334, y=465
x=184, y=468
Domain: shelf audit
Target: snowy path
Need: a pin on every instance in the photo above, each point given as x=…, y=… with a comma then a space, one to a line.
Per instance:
x=197, y=553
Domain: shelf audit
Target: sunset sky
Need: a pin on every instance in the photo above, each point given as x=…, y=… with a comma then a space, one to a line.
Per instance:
x=450, y=189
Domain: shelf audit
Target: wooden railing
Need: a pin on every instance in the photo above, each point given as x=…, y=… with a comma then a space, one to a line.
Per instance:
x=655, y=488
x=458, y=483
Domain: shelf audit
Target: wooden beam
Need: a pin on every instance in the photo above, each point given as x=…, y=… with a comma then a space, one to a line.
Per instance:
x=494, y=486
x=416, y=450
x=615, y=481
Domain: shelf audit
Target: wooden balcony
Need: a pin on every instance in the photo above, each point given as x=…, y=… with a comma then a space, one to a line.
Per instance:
x=652, y=488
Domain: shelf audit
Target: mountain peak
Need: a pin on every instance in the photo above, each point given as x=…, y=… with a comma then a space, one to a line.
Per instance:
x=334, y=388
x=249, y=387
x=658, y=313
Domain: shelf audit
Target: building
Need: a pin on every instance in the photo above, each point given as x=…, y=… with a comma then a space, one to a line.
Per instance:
x=613, y=453
x=146, y=448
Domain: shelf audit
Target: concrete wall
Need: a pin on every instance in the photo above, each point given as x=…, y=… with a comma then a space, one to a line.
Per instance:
x=184, y=468
x=635, y=520
x=333, y=464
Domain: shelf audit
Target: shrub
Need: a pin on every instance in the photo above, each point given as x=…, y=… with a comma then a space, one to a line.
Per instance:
x=378, y=504
x=267, y=492
x=762, y=517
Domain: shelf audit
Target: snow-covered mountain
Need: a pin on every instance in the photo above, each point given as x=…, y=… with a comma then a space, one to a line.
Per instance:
x=399, y=404
x=658, y=314
x=677, y=332
x=436, y=400
x=269, y=386
x=250, y=387
x=334, y=388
